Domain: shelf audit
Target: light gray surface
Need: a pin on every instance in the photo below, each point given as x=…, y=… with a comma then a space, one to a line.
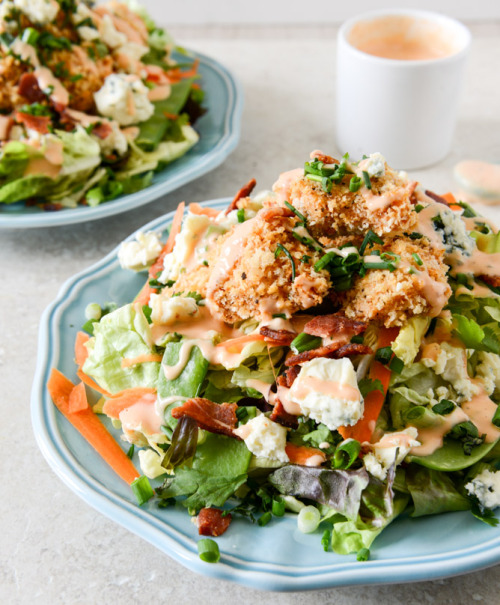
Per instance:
x=54, y=548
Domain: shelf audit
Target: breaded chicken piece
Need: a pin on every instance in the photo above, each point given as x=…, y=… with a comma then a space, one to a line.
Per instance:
x=11, y=71
x=195, y=280
x=391, y=298
x=251, y=277
x=76, y=62
x=386, y=208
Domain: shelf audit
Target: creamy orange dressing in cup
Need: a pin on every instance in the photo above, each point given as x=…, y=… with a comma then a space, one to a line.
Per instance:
x=403, y=38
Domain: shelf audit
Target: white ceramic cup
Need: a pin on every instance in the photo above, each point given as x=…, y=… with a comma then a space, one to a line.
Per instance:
x=405, y=109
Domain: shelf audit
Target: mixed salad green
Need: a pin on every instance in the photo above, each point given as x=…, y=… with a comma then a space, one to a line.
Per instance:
x=92, y=102
x=267, y=417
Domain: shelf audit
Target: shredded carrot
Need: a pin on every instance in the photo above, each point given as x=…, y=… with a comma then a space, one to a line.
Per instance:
x=170, y=116
x=148, y=357
x=197, y=209
x=91, y=383
x=90, y=427
x=176, y=75
x=374, y=400
x=144, y=295
x=78, y=399
x=126, y=399
x=449, y=198
x=300, y=454
x=81, y=352
x=169, y=245
x=238, y=343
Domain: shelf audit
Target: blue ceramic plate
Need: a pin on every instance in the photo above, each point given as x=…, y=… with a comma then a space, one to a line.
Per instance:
x=219, y=131
x=275, y=557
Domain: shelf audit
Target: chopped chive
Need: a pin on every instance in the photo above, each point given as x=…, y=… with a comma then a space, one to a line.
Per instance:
x=396, y=365
x=281, y=248
x=346, y=454
x=370, y=238
x=383, y=355
x=142, y=489
x=130, y=452
x=419, y=208
x=278, y=508
x=305, y=259
x=208, y=550
x=308, y=241
x=305, y=342
x=417, y=259
x=381, y=265
x=366, y=178
x=496, y=417
x=444, y=407
x=241, y=215
x=326, y=540
x=355, y=184
x=414, y=235
x=279, y=316
x=296, y=212
x=205, y=263
x=264, y=519
x=363, y=554
x=76, y=77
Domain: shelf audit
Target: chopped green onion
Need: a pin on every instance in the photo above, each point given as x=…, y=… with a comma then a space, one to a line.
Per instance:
x=296, y=212
x=380, y=265
x=396, y=365
x=363, y=554
x=468, y=211
x=241, y=215
x=419, y=208
x=93, y=311
x=278, y=508
x=383, y=355
x=308, y=519
x=358, y=339
x=279, y=316
x=76, y=77
x=324, y=261
x=264, y=519
x=346, y=453
x=130, y=452
x=281, y=248
x=305, y=259
x=415, y=413
x=30, y=36
x=366, y=178
x=414, y=235
x=496, y=417
x=205, y=263
x=444, y=407
x=308, y=241
x=370, y=238
x=305, y=342
x=417, y=259
x=326, y=540
x=241, y=413
x=355, y=184
x=208, y=550
x=142, y=489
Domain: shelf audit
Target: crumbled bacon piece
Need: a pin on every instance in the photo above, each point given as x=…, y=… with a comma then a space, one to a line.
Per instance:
x=278, y=338
x=213, y=417
x=334, y=351
x=211, y=522
x=102, y=129
x=281, y=416
x=437, y=198
x=288, y=378
x=491, y=280
x=245, y=191
x=331, y=325
x=38, y=123
x=29, y=89
x=322, y=157
x=267, y=214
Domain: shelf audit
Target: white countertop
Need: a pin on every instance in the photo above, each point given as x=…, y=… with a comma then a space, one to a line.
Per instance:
x=54, y=548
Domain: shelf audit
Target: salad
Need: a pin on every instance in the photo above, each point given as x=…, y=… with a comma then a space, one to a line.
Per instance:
x=92, y=102
x=329, y=349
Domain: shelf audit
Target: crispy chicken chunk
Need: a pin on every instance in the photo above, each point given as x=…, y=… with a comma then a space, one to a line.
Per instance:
x=385, y=208
x=391, y=298
x=251, y=274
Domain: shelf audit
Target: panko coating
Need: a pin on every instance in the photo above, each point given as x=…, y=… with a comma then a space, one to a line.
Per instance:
x=251, y=276
x=386, y=208
x=391, y=298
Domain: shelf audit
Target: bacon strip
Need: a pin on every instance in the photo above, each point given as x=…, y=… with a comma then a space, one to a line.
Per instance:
x=214, y=417
x=38, y=123
x=491, y=280
x=29, y=89
x=288, y=378
x=211, y=522
x=331, y=325
x=278, y=338
x=245, y=191
x=437, y=198
x=281, y=416
x=332, y=351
